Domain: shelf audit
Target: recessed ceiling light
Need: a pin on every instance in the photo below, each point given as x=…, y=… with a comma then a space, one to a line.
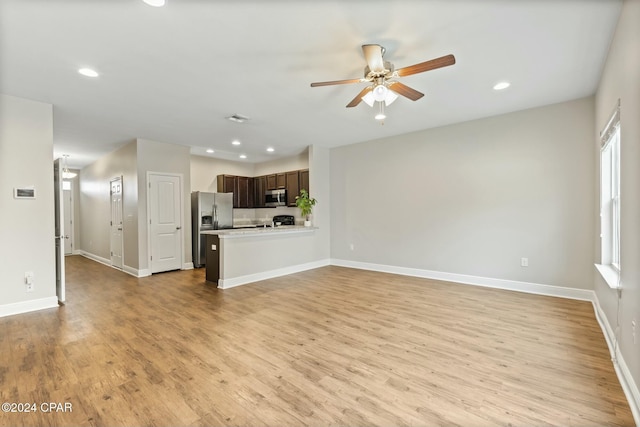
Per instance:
x=243, y=156
x=209, y=150
x=88, y=72
x=155, y=3
x=235, y=142
x=501, y=85
x=270, y=149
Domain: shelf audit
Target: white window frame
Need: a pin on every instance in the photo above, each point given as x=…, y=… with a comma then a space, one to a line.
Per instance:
x=609, y=266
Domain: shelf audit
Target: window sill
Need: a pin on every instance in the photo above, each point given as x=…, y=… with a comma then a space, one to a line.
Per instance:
x=610, y=275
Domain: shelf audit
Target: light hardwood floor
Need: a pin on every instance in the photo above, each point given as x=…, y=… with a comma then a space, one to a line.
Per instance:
x=326, y=347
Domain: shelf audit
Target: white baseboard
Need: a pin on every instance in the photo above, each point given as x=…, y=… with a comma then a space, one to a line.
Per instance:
x=513, y=285
x=96, y=258
x=125, y=268
x=135, y=272
x=629, y=386
x=187, y=266
x=27, y=306
x=243, y=280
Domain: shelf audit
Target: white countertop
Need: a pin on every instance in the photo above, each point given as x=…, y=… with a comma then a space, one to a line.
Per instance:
x=260, y=231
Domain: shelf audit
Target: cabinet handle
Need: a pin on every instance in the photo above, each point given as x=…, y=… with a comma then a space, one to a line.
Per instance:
x=178, y=228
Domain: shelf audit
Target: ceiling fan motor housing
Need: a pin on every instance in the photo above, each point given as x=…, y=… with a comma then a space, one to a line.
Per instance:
x=386, y=73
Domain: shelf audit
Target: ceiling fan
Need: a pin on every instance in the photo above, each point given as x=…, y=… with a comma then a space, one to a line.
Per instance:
x=384, y=88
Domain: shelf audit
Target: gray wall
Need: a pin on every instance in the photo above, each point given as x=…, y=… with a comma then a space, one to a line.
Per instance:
x=170, y=159
x=621, y=80
x=473, y=198
x=320, y=183
x=291, y=163
x=204, y=172
x=132, y=162
x=95, y=205
x=27, y=226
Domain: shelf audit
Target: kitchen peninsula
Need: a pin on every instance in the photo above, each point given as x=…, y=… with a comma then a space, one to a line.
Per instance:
x=238, y=256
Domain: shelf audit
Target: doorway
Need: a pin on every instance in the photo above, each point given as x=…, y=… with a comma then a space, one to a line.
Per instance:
x=67, y=209
x=116, y=226
x=164, y=205
x=59, y=229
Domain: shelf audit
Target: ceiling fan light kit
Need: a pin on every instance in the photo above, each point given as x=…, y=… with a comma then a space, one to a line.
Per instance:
x=381, y=116
x=381, y=76
x=380, y=92
x=66, y=173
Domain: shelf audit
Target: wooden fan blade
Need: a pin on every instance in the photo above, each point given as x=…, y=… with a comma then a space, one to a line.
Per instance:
x=336, y=82
x=405, y=91
x=443, y=61
x=373, y=56
x=355, y=101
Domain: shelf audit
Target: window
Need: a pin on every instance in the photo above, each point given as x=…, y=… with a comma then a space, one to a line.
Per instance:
x=610, y=201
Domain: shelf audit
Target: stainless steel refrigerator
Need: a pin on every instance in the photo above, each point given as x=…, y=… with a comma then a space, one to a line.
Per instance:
x=209, y=211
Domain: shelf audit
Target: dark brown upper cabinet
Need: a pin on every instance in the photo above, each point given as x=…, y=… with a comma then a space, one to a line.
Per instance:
x=293, y=187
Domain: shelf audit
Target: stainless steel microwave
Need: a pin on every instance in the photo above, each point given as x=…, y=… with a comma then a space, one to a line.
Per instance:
x=274, y=198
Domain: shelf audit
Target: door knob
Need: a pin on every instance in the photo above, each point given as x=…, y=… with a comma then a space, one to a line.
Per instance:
x=66, y=237
x=178, y=228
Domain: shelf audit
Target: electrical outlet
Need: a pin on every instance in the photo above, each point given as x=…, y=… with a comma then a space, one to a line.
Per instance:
x=524, y=262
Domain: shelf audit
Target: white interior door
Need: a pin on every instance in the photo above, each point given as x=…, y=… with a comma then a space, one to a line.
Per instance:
x=59, y=229
x=67, y=208
x=165, y=222
x=116, y=223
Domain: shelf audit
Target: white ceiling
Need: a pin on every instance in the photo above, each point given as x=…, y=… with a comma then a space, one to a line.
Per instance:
x=173, y=74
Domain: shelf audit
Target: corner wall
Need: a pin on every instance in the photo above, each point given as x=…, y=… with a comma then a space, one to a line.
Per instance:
x=95, y=202
x=27, y=230
x=205, y=171
x=620, y=80
x=132, y=162
x=320, y=184
x=160, y=157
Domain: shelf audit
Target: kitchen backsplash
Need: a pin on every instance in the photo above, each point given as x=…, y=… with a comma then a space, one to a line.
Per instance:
x=263, y=215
